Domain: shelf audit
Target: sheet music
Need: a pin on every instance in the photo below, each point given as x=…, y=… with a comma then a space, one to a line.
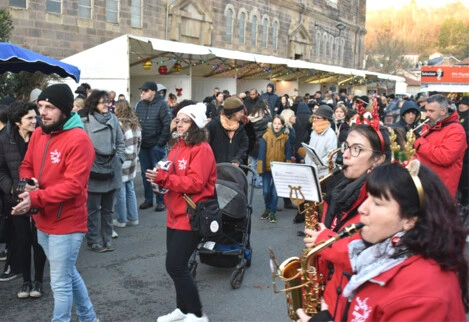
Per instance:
x=296, y=175
x=311, y=152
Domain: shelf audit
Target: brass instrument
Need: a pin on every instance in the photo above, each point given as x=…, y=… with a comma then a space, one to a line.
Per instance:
x=303, y=283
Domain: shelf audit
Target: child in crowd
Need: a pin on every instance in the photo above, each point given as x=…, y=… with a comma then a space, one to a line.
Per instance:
x=275, y=145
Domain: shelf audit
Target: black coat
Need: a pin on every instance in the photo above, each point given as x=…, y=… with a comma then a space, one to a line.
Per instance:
x=154, y=118
x=259, y=130
x=12, y=151
x=224, y=148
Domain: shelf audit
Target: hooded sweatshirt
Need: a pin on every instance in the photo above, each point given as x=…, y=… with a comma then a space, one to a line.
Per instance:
x=61, y=161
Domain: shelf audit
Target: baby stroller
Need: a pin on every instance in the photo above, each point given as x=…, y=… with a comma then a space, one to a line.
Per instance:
x=232, y=247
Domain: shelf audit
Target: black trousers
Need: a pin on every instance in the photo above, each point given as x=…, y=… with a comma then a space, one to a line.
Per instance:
x=180, y=245
x=26, y=236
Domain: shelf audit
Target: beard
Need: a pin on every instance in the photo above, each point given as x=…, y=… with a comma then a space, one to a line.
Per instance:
x=56, y=126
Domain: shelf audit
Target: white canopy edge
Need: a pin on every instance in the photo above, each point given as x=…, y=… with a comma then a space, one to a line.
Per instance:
x=456, y=88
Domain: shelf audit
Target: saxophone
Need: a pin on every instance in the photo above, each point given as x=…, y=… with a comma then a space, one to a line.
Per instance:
x=303, y=282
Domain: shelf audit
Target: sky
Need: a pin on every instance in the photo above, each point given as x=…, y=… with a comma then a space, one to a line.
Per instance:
x=380, y=4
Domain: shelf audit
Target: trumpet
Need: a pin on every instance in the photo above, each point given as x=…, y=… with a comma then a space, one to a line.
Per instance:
x=303, y=283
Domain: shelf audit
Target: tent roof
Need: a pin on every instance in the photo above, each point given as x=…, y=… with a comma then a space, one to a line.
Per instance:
x=205, y=61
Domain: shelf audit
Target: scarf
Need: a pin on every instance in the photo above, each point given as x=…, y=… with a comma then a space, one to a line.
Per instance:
x=320, y=126
x=102, y=118
x=342, y=197
x=229, y=125
x=369, y=262
x=282, y=130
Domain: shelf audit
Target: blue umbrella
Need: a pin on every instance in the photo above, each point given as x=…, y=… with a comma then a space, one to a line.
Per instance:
x=16, y=59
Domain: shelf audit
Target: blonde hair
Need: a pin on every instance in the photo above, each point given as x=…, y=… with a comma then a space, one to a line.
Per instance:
x=126, y=115
x=287, y=114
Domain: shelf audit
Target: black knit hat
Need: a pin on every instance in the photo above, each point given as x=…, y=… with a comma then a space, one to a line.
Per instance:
x=60, y=95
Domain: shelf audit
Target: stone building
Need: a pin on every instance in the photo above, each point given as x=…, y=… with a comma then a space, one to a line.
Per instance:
x=322, y=31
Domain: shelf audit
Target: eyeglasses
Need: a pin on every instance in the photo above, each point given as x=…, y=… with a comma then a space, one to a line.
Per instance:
x=316, y=118
x=353, y=149
x=185, y=120
x=103, y=102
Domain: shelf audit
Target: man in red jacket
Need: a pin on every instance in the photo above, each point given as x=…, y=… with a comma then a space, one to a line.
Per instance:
x=58, y=160
x=442, y=142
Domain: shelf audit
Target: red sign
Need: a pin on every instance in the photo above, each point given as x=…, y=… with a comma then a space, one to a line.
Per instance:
x=445, y=75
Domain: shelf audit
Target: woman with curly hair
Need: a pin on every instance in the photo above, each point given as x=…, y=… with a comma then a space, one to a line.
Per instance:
x=193, y=172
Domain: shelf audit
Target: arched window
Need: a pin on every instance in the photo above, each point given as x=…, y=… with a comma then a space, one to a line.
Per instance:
x=336, y=49
x=254, y=31
x=242, y=21
x=331, y=48
x=317, y=44
x=265, y=30
x=274, y=35
x=229, y=25
x=342, y=50
x=324, y=45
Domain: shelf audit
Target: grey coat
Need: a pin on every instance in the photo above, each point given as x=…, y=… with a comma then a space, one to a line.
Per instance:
x=104, y=138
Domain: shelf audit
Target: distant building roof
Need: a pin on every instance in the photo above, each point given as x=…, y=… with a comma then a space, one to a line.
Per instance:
x=465, y=61
x=410, y=81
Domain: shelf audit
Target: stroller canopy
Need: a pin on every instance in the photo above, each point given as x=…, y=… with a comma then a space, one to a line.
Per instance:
x=232, y=190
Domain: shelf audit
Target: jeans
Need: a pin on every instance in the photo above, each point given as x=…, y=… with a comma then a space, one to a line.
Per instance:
x=180, y=245
x=148, y=159
x=66, y=283
x=258, y=180
x=125, y=205
x=270, y=193
x=100, y=210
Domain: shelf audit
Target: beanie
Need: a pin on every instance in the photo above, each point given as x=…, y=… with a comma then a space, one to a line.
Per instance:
x=324, y=111
x=232, y=105
x=34, y=95
x=60, y=95
x=196, y=113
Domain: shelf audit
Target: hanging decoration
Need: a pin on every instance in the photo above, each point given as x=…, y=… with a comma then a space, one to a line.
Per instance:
x=147, y=65
x=163, y=70
x=179, y=92
x=177, y=67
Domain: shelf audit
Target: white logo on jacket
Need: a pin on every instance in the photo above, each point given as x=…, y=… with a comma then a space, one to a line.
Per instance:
x=55, y=156
x=361, y=311
x=182, y=164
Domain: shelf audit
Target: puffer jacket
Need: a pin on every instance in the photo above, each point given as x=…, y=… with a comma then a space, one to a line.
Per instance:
x=155, y=119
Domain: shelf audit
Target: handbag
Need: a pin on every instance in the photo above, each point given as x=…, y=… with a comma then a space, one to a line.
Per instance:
x=102, y=166
x=205, y=216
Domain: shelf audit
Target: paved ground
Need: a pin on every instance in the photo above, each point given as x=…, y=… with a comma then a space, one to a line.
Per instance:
x=131, y=284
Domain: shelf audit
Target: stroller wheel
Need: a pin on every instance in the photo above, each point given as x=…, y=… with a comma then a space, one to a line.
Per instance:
x=237, y=278
x=193, y=268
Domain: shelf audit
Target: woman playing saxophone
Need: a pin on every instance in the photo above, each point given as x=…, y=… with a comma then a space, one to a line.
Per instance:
x=409, y=264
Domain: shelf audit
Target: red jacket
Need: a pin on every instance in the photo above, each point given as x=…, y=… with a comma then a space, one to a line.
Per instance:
x=61, y=162
x=415, y=290
x=332, y=259
x=441, y=148
x=193, y=172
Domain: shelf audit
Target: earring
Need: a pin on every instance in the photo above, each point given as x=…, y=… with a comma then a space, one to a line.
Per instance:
x=395, y=241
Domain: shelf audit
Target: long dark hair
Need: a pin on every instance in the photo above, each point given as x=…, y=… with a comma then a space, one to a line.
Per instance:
x=193, y=136
x=93, y=100
x=439, y=233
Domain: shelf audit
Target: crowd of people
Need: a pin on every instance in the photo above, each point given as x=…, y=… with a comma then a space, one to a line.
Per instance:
x=63, y=204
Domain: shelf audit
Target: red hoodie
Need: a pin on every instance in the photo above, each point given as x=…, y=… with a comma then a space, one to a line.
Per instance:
x=61, y=162
x=193, y=171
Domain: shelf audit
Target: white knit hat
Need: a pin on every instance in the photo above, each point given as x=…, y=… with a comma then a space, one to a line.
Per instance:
x=196, y=113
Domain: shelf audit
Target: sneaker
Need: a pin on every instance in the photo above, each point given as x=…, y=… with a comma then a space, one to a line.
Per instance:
x=36, y=290
x=114, y=234
x=108, y=246
x=118, y=224
x=194, y=318
x=272, y=217
x=132, y=222
x=146, y=205
x=97, y=248
x=24, y=290
x=176, y=315
x=160, y=207
x=3, y=256
x=265, y=215
x=8, y=275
